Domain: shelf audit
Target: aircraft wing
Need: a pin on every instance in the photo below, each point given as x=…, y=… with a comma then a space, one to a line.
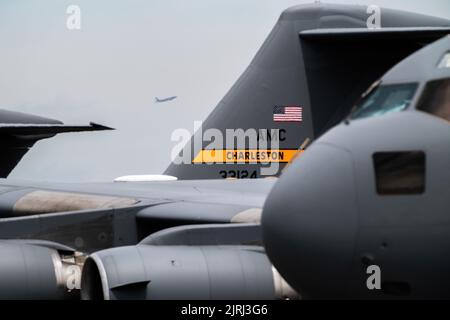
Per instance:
x=123, y=213
x=358, y=34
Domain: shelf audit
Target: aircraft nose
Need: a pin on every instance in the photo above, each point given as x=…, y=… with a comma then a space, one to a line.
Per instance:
x=310, y=219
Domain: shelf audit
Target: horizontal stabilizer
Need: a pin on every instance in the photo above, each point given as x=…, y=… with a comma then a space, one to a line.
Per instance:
x=379, y=33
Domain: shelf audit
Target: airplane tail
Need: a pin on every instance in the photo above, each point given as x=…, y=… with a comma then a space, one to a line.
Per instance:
x=157, y=100
x=305, y=78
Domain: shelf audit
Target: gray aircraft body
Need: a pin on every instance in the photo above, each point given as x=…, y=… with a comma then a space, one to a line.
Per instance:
x=201, y=239
x=374, y=191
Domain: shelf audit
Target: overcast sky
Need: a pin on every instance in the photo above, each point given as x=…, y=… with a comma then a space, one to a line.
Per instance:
x=126, y=53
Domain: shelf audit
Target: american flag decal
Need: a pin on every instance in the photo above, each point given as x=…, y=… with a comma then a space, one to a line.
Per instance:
x=288, y=114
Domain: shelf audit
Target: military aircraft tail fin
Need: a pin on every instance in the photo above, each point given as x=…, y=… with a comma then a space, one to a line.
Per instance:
x=305, y=78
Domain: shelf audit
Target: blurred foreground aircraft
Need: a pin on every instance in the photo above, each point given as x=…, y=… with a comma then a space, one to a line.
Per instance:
x=373, y=191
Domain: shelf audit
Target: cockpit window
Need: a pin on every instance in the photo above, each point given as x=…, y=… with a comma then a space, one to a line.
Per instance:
x=436, y=99
x=445, y=62
x=385, y=99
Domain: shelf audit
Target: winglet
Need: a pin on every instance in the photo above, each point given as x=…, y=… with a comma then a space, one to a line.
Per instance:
x=99, y=127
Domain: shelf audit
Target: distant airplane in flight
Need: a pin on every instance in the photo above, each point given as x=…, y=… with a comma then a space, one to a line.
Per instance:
x=157, y=100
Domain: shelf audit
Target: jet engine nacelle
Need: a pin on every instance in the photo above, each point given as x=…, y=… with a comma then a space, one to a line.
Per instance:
x=29, y=271
x=182, y=272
